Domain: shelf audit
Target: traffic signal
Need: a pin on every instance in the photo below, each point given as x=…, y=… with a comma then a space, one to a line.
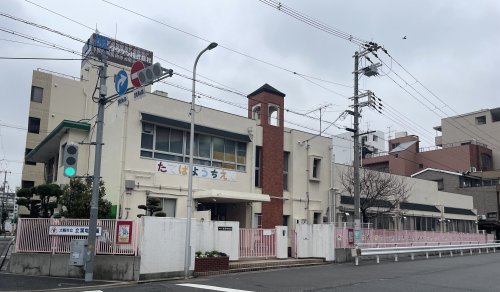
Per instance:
x=70, y=159
x=150, y=73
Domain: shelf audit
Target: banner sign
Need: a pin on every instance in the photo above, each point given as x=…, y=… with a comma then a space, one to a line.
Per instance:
x=72, y=230
x=198, y=171
x=116, y=51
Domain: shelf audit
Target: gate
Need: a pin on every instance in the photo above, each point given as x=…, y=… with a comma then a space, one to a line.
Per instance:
x=257, y=243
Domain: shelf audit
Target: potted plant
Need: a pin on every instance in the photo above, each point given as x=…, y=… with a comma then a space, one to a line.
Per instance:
x=210, y=261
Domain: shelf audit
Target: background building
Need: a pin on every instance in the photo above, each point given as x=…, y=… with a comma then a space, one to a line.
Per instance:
x=343, y=145
x=479, y=127
x=405, y=157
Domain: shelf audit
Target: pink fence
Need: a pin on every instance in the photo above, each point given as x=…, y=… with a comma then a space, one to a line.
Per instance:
x=384, y=237
x=256, y=242
x=33, y=236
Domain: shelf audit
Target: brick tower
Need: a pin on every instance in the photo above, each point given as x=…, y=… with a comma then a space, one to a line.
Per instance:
x=266, y=105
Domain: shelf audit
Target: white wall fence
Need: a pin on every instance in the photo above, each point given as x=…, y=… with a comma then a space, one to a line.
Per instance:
x=162, y=243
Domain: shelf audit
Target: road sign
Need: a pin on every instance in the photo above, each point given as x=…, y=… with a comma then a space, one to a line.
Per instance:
x=139, y=93
x=134, y=77
x=121, y=82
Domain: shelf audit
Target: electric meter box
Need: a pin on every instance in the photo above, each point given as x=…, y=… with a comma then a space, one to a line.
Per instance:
x=77, y=252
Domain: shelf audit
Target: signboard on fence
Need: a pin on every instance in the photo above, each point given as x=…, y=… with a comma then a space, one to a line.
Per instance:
x=123, y=232
x=72, y=230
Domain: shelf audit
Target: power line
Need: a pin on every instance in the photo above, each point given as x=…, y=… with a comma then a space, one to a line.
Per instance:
x=220, y=45
x=40, y=58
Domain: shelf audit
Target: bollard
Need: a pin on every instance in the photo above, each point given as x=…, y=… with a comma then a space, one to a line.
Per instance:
x=479, y=250
x=461, y=252
x=451, y=253
x=471, y=251
x=439, y=254
x=412, y=256
x=487, y=250
x=427, y=255
x=378, y=259
x=396, y=258
x=356, y=259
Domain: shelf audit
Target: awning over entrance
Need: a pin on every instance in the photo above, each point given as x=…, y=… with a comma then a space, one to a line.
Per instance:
x=223, y=196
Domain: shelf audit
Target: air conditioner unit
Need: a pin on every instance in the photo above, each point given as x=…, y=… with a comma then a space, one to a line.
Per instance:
x=472, y=169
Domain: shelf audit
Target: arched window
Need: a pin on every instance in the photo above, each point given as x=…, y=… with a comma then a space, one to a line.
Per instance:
x=256, y=113
x=273, y=115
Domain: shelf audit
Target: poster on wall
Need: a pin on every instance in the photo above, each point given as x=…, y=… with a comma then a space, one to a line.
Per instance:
x=124, y=232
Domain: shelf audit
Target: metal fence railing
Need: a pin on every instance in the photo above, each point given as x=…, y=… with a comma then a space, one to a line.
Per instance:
x=34, y=235
x=384, y=237
x=257, y=242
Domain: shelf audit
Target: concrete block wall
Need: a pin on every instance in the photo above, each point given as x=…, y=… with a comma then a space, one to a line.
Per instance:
x=107, y=267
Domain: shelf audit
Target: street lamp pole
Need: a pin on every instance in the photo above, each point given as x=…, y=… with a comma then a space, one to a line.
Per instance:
x=187, y=254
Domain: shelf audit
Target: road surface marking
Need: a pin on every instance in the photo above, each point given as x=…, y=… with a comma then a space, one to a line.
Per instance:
x=213, y=288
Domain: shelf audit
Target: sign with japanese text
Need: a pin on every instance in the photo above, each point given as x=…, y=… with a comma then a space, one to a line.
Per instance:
x=116, y=51
x=198, y=171
x=72, y=230
x=123, y=232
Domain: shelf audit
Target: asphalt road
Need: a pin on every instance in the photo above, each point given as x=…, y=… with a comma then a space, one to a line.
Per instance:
x=458, y=273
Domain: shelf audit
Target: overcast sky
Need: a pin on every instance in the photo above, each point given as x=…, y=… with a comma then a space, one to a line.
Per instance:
x=449, y=46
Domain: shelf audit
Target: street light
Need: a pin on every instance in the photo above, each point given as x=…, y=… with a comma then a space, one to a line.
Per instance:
x=187, y=254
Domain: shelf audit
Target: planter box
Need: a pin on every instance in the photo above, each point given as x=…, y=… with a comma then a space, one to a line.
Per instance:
x=209, y=264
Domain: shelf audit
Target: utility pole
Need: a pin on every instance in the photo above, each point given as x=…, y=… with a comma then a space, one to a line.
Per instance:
x=94, y=203
x=357, y=211
x=3, y=198
x=367, y=71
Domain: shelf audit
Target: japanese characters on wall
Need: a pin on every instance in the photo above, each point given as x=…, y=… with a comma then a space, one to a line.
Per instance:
x=198, y=171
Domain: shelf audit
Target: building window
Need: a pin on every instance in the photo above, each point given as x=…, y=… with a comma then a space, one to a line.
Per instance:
x=316, y=167
x=481, y=120
x=168, y=206
x=421, y=166
x=173, y=145
x=36, y=94
x=273, y=115
x=258, y=163
x=394, y=145
x=26, y=151
x=34, y=125
x=256, y=113
x=375, y=138
x=258, y=220
x=27, y=184
x=317, y=218
x=285, y=170
x=486, y=163
x=286, y=220
x=440, y=184
x=364, y=139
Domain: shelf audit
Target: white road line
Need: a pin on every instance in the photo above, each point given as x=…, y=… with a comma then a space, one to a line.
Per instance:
x=215, y=288
x=93, y=291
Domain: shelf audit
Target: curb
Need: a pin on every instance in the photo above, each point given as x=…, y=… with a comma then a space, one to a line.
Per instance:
x=4, y=255
x=261, y=268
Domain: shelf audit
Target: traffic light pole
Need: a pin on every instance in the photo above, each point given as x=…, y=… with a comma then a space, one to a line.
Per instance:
x=94, y=203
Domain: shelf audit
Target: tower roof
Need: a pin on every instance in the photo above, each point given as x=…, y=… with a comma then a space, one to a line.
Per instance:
x=267, y=88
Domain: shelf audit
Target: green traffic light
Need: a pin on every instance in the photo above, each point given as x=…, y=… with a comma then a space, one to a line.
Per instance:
x=70, y=171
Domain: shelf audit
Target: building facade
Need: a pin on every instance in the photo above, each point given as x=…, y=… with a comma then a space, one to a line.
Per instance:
x=405, y=157
x=481, y=126
x=371, y=144
x=249, y=169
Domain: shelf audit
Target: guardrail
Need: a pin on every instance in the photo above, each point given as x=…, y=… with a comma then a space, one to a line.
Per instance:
x=412, y=250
